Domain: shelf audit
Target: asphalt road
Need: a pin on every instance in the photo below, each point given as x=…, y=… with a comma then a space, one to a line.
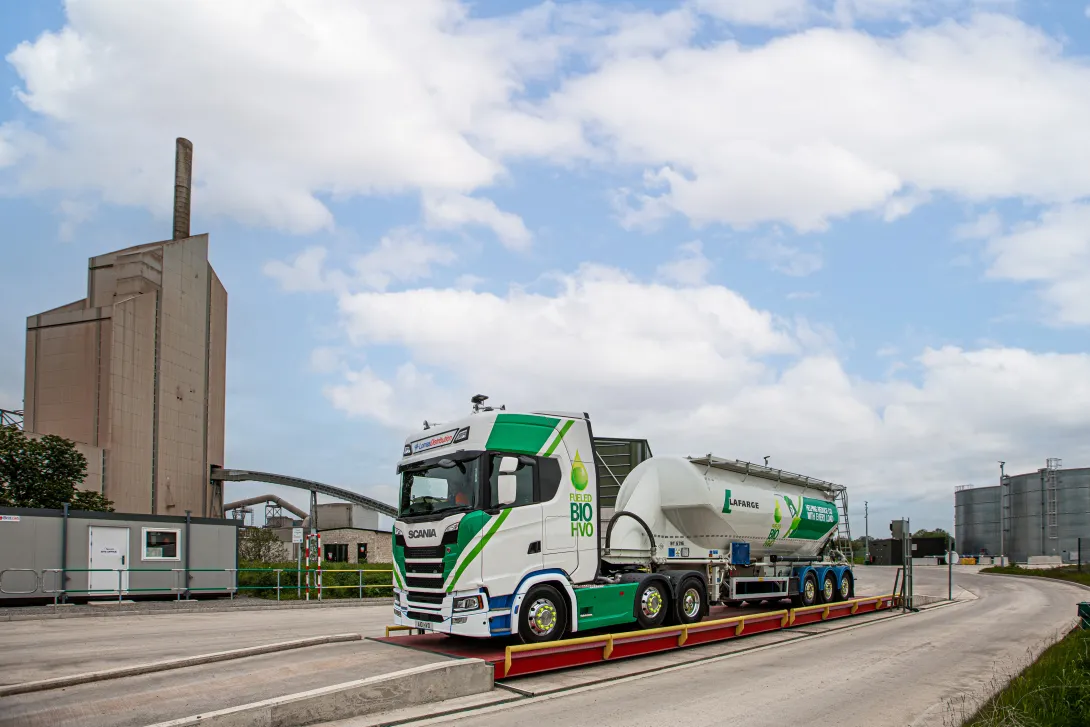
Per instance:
x=906, y=671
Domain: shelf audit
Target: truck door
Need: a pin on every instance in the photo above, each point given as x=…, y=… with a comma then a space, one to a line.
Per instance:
x=561, y=541
x=515, y=548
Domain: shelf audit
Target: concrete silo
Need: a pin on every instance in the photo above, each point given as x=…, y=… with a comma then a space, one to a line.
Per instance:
x=976, y=520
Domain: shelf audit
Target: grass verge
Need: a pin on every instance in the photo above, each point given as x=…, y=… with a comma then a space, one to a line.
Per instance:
x=339, y=580
x=1054, y=691
x=1064, y=573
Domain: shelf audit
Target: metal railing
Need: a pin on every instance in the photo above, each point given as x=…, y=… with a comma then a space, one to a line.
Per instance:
x=305, y=581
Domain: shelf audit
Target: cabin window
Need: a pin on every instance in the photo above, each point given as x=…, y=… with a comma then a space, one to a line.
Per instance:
x=161, y=544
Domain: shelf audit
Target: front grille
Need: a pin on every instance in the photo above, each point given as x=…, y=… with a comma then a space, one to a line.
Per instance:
x=436, y=568
x=435, y=598
x=423, y=582
x=435, y=551
x=421, y=616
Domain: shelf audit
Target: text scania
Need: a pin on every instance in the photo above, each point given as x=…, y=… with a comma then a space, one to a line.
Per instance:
x=429, y=533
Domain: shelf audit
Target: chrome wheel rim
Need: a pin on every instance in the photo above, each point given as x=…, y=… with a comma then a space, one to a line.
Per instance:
x=651, y=602
x=542, y=617
x=690, y=603
x=810, y=590
x=829, y=588
x=845, y=587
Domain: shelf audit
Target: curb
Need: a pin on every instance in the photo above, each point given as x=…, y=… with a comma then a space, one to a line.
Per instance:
x=399, y=689
x=128, y=671
x=114, y=612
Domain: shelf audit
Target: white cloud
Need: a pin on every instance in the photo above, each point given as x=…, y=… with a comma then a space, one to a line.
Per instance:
x=818, y=125
x=450, y=211
x=988, y=224
x=298, y=100
x=1054, y=253
x=786, y=259
x=690, y=268
x=1087, y=11
x=761, y=13
x=392, y=97
x=400, y=256
x=698, y=369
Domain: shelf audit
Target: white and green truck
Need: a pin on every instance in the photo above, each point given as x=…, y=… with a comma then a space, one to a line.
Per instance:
x=498, y=523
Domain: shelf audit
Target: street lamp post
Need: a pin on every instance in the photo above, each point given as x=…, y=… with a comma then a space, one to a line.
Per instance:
x=866, y=533
x=1002, y=504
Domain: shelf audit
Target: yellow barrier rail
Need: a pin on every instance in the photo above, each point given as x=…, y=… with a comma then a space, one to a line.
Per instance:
x=787, y=619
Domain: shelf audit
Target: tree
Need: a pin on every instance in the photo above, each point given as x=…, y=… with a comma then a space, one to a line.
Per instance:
x=44, y=472
x=936, y=533
x=259, y=545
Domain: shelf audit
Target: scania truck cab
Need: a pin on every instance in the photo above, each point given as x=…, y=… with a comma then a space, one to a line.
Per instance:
x=497, y=533
x=495, y=508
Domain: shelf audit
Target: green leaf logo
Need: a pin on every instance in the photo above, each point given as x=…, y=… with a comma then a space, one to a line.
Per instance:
x=579, y=478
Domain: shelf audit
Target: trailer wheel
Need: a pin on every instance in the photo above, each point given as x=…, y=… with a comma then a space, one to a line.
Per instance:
x=543, y=616
x=808, y=593
x=652, y=604
x=691, y=601
x=847, y=586
x=828, y=588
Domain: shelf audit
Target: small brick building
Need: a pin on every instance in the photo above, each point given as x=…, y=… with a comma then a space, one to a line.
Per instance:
x=356, y=545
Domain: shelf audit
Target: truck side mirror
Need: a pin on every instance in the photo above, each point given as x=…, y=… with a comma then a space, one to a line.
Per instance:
x=508, y=484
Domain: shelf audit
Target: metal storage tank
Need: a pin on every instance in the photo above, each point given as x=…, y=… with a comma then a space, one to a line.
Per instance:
x=976, y=520
x=1047, y=512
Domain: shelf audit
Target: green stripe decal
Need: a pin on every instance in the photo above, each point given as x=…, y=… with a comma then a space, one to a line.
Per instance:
x=563, y=430
x=397, y=579
x=478, y=548
x=520, y=433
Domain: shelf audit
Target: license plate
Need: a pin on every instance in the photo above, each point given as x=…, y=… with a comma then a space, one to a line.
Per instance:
x=423, y=625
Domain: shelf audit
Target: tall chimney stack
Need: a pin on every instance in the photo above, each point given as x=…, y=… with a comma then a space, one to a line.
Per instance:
x=183, y=182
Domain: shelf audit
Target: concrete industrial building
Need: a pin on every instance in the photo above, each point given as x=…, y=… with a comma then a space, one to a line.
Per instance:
x=1042, y=513
x=135, y=372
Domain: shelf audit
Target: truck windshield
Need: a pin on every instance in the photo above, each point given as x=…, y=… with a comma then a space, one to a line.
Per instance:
x=437, y=487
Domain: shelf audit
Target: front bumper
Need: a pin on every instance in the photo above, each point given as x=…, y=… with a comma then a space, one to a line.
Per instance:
x=439, y=618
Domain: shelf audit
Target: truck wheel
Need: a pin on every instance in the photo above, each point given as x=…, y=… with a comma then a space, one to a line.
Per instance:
x=543, y=616
x=691, y=602
x=652, y=604
x=828, y=588
x=847, y=586
x=808, y=592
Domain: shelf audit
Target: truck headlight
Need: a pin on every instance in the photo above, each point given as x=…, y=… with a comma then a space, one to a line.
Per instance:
x=468, y=603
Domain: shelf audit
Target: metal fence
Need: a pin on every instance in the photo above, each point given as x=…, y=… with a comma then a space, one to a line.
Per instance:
x=306, y=581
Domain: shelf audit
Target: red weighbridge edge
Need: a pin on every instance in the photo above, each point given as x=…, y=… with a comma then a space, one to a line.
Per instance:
x=516, y=659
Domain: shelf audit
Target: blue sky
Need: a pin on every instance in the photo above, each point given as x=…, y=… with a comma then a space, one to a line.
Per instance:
x=828, y=170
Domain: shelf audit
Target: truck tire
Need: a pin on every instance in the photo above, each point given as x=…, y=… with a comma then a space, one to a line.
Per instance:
x=543, y=615
x=652, y=603
x=847, y=587
x=691, y=603
x=829, y=590
x=808, y=592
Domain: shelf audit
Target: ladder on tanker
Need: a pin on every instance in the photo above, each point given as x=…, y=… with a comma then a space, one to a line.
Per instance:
x=842, y=540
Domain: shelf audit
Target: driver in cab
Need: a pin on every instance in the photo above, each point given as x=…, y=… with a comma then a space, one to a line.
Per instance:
x=459, y=493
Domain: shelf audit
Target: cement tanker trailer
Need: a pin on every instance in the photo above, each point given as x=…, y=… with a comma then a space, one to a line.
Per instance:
x=762, y=533
x=498, y=531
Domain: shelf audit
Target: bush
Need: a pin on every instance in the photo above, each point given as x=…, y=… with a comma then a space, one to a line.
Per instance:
x=339, y=580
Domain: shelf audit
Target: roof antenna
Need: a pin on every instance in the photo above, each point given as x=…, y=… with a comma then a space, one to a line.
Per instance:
x=766, y=459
